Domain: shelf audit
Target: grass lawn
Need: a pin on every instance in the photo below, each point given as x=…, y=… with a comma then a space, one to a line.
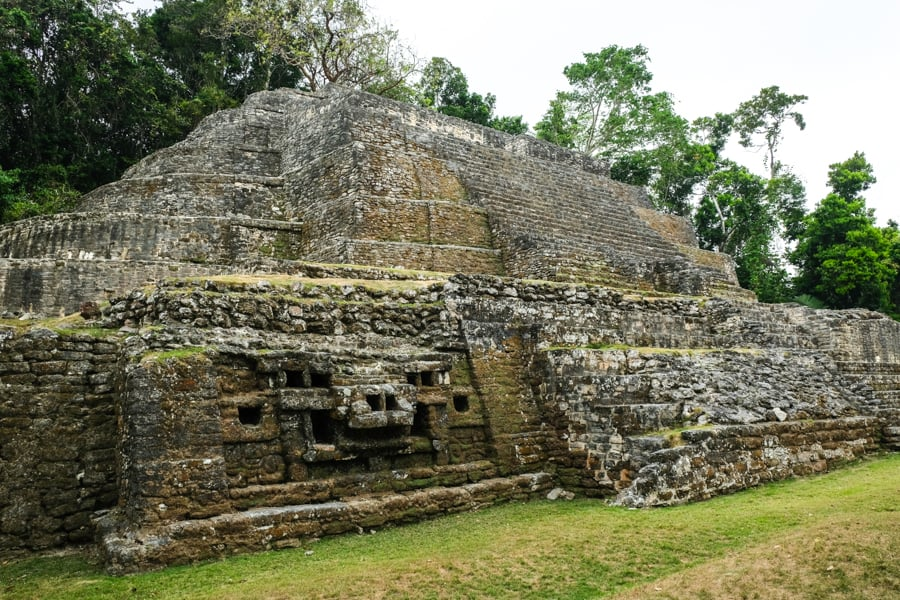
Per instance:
x=832, y=536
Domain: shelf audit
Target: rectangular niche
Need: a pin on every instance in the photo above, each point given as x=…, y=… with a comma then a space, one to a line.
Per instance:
x=296, y=378
x=319, y=380
x=390, y=402
x=249, y=415
x=323, y=426
x=420, y=421
x=427, y=378
x=374, y=402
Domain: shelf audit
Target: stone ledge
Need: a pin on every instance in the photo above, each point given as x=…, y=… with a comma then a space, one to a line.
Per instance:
x=266, y=528
x=727, y=459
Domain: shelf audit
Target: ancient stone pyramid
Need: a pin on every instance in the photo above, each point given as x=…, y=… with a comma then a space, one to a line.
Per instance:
x=264, y=374
x=346, y=177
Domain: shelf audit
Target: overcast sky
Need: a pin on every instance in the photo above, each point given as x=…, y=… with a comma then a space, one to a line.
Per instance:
x=710, y=55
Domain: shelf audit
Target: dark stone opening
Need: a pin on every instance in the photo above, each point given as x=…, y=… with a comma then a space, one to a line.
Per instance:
x=427, y=378
x=374, y=401
x=322, y=426
x=461, y=403
x=320, y=380
x=390, y=402
x=294, y=379
x=420, y=421
x=412, y=378
x=249, y=415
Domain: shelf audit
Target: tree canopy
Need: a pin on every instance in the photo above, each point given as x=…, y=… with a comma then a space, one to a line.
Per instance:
x=326, y=41
x=82, y=99
x=445, y=88
x=611, y=112
x=842, y=257
x=765, y=115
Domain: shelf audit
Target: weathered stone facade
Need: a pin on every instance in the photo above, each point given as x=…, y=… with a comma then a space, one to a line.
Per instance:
x=236, y=396
x=345, y=177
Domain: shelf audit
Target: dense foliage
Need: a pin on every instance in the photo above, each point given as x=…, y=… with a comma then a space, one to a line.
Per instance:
x=445, y=88
x=842, y=257
x=89, y=90
x=833, y=257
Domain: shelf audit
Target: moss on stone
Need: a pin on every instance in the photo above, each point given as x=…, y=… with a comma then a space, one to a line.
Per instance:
x=307, y=283
x=653, y=350
x=176, y=354
x=94, y=332
x=673, y=435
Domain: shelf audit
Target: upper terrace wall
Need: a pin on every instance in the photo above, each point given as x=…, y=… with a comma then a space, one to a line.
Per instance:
x=362, y=179
x=189, y=194
x=214, y=240
x=49, y=286
x=549, y=210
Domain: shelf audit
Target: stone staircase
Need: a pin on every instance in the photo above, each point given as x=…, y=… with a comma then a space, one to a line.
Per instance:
x=879, y=384
x=591, y=236
x=624, y=406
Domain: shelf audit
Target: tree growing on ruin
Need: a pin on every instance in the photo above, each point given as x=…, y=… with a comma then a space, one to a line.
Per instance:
x=327, y=41
x=558, y=126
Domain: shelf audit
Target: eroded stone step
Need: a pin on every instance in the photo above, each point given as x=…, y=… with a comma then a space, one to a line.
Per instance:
x=266, y=528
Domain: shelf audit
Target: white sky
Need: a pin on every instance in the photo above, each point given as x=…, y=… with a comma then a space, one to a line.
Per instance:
x=711, y=55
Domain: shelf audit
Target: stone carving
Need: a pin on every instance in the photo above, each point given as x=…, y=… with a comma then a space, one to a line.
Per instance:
x=245, y=387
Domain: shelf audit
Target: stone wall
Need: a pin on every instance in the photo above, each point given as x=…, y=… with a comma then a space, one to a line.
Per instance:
x=608, y=368
x=57, y=435
x=372, y=396
x=722, y=460
x=281, y=393
x=49, y=286
x=198, y=240
x=259, y=529
x=189, y=194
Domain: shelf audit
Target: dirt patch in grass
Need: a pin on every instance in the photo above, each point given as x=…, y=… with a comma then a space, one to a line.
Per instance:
x=846, y=558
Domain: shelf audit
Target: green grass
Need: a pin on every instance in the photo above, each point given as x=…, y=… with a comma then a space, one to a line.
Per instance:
x=833, y=536
x=174, y=354
x=673, y=435
x=94, y=332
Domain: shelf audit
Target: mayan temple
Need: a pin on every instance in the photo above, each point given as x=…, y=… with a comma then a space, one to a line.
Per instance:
x=324, y=313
